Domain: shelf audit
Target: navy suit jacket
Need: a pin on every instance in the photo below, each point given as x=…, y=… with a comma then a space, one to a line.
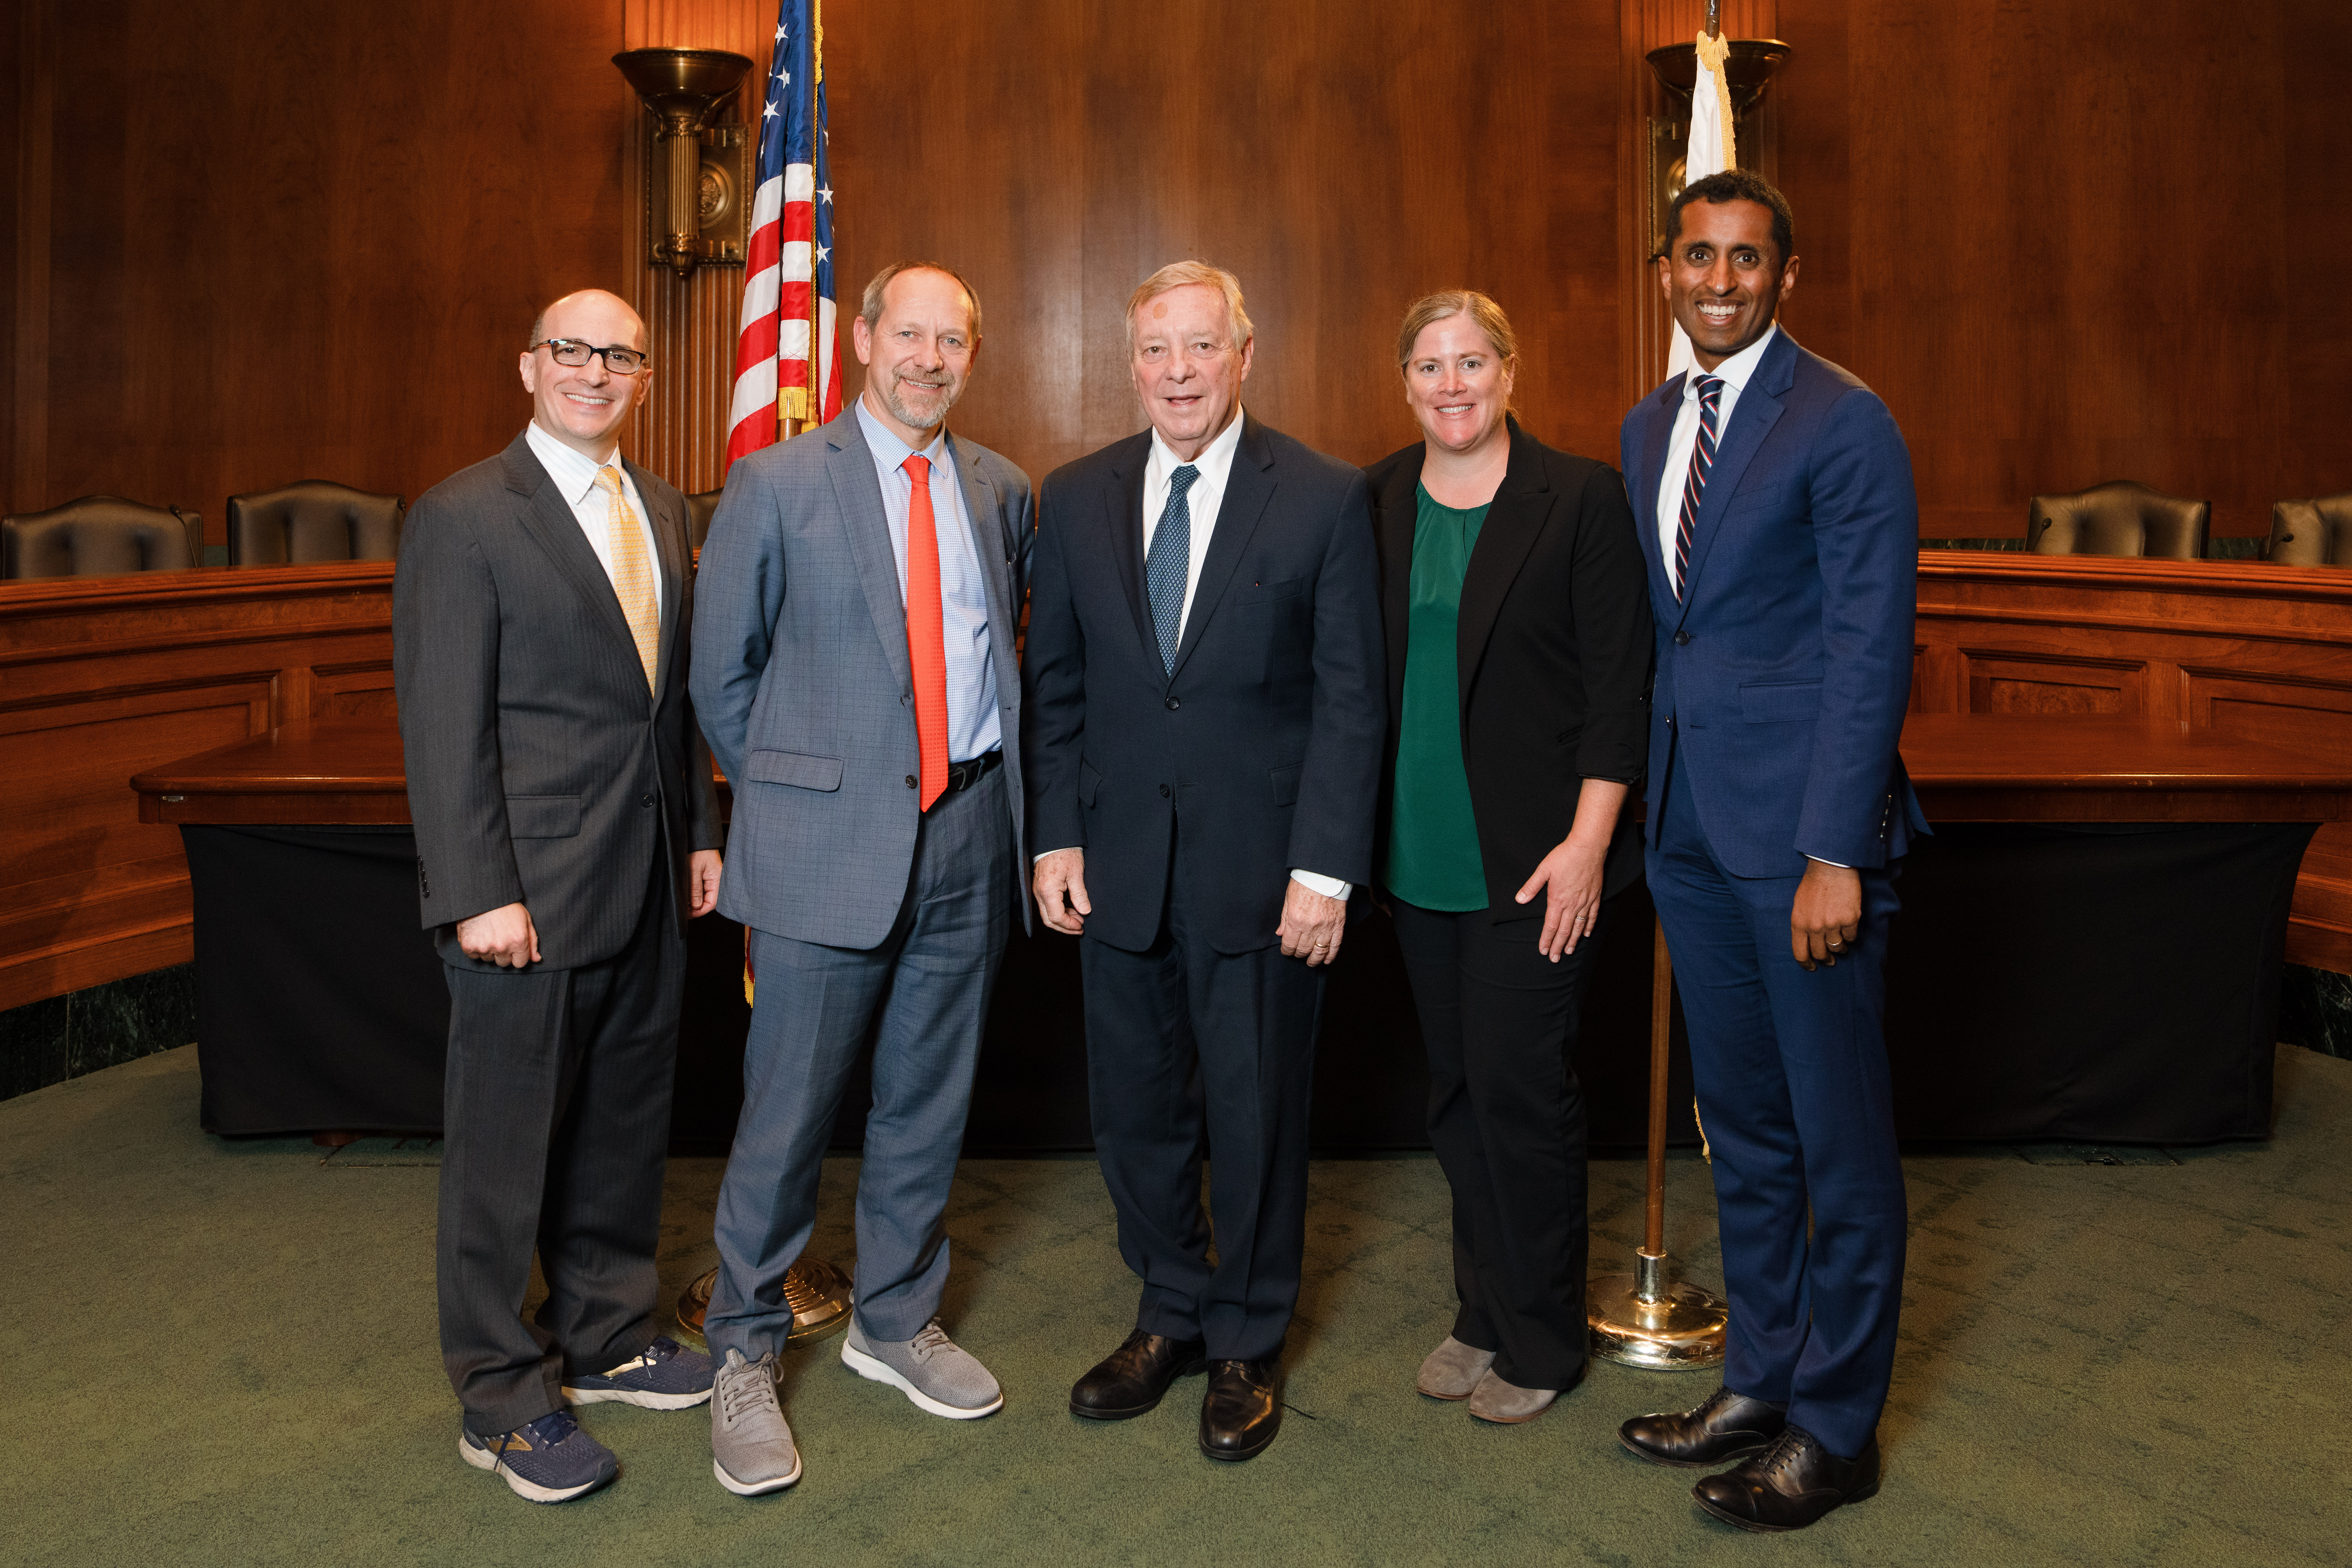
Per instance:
x=1784, y=670
x=1266, y=738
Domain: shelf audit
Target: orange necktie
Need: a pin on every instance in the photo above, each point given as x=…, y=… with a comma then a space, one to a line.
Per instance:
x=926, y=648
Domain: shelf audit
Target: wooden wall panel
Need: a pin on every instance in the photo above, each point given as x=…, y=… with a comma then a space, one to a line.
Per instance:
x=2066, y=242
x=261, y=241
x=104, y=678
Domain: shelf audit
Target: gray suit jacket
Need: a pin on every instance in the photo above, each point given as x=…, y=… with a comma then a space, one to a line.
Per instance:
x=540, y=771
x=802, y=685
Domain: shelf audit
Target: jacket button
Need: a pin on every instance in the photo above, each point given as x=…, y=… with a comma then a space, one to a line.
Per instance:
x=1163, y=792
x=904, y=700
x=1173, y=705
x=1681, y=637
x=911, y=781
x=645, y=800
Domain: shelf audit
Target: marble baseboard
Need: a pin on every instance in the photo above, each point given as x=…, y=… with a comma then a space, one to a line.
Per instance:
x=48, y=1042
x=2315, y=1010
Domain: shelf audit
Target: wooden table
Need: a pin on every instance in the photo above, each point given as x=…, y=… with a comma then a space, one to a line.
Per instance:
x=1968, y=768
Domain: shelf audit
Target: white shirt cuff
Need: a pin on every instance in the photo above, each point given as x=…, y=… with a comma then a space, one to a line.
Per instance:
x=1315, y=882
x=1035, y=859
x=1838, y=864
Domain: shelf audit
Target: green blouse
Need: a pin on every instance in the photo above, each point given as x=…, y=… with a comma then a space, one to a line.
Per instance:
x=1432, y=856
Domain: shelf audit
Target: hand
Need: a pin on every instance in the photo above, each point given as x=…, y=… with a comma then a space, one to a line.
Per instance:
x=1827, y=913
x=503, y=935
x=1059, y=881
x=1569, y=879
x=1312, y=926
x=702, y=869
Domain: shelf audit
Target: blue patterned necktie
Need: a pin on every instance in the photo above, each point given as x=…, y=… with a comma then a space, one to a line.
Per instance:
x=1710, y=397
x=1170, y=561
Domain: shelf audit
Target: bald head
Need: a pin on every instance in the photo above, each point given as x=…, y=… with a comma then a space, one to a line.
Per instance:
x=584, y=406
x=547, y=323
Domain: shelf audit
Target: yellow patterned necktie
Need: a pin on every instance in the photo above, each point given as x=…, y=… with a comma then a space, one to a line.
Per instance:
x=633, y=572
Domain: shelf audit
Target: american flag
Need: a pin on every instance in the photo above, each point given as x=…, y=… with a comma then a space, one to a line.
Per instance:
x=788, y=296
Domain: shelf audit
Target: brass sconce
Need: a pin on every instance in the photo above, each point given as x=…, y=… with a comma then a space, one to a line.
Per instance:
x=1746, y=73
x=703, y=203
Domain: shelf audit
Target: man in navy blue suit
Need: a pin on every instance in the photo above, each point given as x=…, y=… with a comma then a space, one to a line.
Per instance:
x=1774, y=495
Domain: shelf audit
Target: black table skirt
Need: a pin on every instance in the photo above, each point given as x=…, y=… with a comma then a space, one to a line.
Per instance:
x=2094, y=984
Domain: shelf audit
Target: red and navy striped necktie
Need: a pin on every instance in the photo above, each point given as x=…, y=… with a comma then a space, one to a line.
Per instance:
x=1710, y=397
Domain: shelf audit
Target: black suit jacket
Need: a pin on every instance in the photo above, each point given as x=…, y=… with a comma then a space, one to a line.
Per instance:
x=540, y=770
x=1266, y=739
x=1553, y=654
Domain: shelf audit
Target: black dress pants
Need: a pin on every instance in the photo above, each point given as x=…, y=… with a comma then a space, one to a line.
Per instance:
x=556, y=1130
x=1506, y=1119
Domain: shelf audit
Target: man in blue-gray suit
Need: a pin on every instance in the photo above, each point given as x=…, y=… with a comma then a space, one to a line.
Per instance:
x=1775, y=497
x=856, y=678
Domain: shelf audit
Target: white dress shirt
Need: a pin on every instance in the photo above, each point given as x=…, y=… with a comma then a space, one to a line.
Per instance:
x=1735, y=372
x=574, y=474
x=1202, y=501
x=974, y=727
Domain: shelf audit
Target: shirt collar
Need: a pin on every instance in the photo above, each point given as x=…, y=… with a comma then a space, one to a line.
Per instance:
x=573, y=471
x=1215, y=459
x=1736, y=369
x=887, y=449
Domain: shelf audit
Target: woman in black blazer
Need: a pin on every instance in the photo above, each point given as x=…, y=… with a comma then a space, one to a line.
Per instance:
x=1517, y=620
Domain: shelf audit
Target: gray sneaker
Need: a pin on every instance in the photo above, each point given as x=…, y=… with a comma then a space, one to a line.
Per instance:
x=750, y=1446
x=930, y=1369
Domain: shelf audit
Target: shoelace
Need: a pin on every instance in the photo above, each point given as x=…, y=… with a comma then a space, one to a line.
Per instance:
x=545, y=1432
x=742, y=1388
x=1783, y=1448
x=930, y=1339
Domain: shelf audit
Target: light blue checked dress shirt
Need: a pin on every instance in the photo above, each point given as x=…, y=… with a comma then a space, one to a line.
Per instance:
x=974, y=728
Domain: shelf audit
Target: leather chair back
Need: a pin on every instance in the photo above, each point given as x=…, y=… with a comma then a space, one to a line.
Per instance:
x=100, y=536
x=313, y=520
x=2311, y=533
x=698, y=511
x=2118, y=517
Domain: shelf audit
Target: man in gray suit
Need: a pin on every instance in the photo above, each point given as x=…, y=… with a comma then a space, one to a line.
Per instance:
x=855, y=673
x=566, y=829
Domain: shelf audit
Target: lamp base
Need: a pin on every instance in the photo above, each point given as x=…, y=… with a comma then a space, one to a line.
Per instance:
x=817, y=1290
x=1641, y=1320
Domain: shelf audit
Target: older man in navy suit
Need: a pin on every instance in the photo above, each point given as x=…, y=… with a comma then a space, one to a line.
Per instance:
x=1775, y=495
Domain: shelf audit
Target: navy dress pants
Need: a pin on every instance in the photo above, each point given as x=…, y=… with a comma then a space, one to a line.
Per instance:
x=1193, y=1052
x=1791, y=1068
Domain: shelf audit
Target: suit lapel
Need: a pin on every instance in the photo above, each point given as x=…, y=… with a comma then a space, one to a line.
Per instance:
x=547, y=518
x=1758, y=409
x=982, y=513
x=1124, y=500
x=857, y=490
x=1399, y=510
x=1249, y=485
x=1513, y=521
x=1656, y=437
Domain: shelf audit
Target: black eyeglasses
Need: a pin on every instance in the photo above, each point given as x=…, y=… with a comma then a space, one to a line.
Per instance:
x=573, y=352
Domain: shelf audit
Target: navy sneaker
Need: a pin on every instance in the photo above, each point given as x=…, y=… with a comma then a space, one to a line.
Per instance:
x=550, y=1460
x=667, y=1376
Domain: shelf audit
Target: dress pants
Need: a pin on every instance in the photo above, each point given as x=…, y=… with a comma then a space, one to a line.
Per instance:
x=555, y=1127
x=922, y=996
x=1791, y=1068
x=1193, y=1052
x=1499, y=1021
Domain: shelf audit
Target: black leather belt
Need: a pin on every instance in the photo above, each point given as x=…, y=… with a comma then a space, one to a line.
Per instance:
x=963, y=775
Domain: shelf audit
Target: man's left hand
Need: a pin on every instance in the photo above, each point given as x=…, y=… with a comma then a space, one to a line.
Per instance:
x=1312, y=926
x=1827, y=913
x=702, y=881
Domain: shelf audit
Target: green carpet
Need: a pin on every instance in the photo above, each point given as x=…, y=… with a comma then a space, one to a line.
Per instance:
x=225, y=1353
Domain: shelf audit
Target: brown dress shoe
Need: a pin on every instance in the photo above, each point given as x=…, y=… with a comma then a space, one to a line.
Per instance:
x=1724, y=1426
x=1791, y=1484
x=1133, y=1378
x=1243, y=1409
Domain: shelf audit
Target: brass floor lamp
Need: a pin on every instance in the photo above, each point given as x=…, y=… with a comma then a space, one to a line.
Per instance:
x=1647, y=1318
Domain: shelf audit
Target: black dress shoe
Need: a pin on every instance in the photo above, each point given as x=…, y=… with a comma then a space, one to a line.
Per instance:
x=1724, y=1426
x=1790, y=1484
x=1131, y=1380
x=1243, y=1409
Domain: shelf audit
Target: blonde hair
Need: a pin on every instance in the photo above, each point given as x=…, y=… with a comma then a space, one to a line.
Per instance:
x=1181, y=274
x=1483, y=313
